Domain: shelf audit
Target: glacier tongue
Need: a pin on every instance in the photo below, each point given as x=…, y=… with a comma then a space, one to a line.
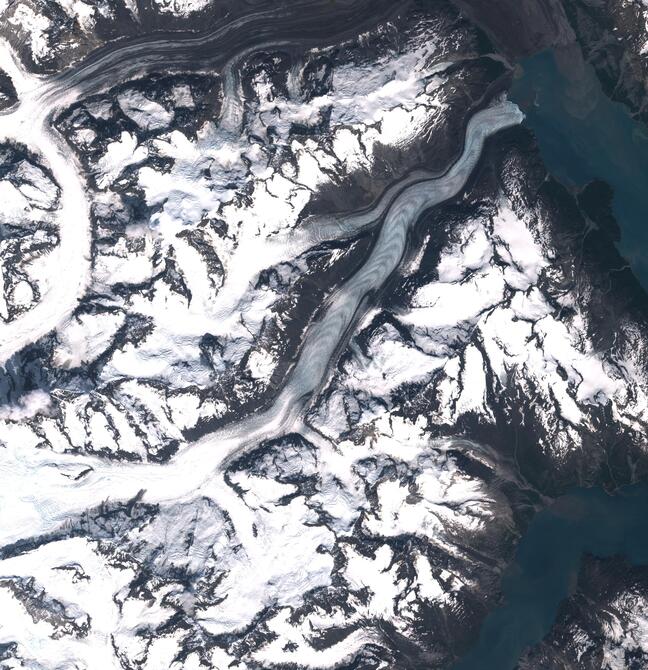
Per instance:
x=291, y=340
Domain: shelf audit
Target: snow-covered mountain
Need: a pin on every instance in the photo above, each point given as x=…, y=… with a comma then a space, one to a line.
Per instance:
x=296, y=333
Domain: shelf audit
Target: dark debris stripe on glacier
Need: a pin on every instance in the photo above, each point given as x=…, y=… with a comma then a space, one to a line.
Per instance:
x=372, y=531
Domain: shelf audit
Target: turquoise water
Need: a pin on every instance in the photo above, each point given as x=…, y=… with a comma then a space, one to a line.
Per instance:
x=546, y=566
x=583, y=136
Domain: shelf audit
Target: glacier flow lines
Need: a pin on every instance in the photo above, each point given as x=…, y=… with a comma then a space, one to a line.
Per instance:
x=68, y=266
x=68, y=485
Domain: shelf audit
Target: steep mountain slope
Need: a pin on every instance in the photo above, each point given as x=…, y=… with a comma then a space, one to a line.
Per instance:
x=297, y=334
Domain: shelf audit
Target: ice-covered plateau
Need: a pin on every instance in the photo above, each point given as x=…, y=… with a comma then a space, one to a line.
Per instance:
x=296, y=333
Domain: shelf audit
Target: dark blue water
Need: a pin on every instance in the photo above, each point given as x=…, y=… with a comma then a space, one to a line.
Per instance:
x=584, y=136
x=546, y=566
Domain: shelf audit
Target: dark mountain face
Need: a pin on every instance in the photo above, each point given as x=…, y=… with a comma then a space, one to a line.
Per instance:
x=602, y=624
x=297, y=331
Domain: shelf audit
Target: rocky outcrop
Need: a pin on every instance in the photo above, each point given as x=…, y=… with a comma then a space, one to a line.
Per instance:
x=602, y=625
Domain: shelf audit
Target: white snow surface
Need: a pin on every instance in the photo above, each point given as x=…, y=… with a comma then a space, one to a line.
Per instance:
x=256, y=544
x=239, y=534
x=202, y=185
x=181, y=7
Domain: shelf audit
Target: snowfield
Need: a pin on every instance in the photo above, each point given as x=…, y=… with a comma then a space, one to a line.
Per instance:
x=283, y=342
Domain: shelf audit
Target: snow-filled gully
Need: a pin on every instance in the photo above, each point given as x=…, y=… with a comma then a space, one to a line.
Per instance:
x=68, y=484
